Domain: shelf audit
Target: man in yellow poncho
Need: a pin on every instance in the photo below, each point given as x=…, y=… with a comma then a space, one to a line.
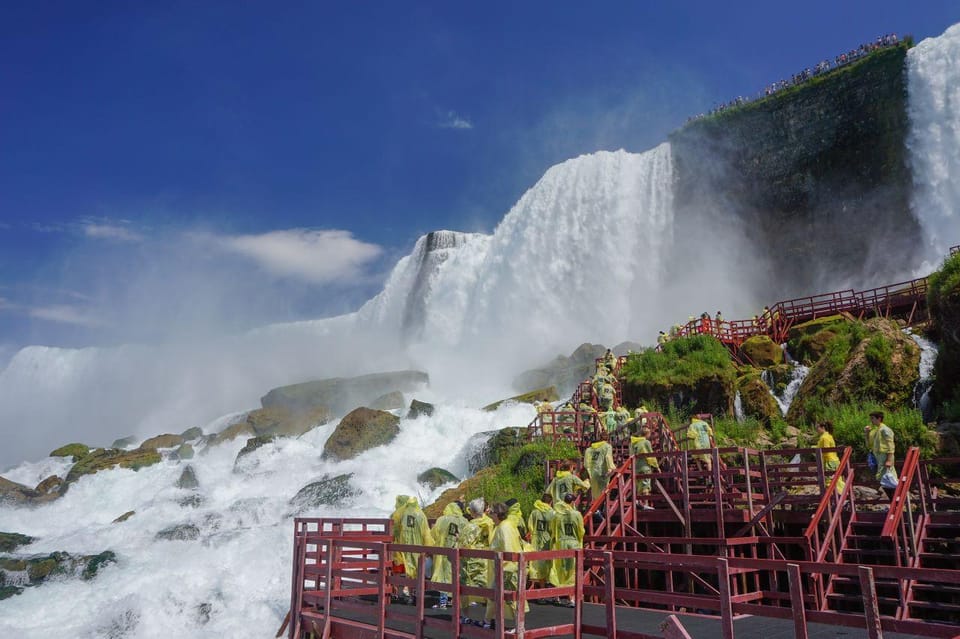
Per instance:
x=700, y=437
x=473, y=570
x=505, y=539
x=880, y=442
x=395, y=520
x=445, y=533
x=540, y=525
x=567, y=535
x=831, y=461
x=566, y=482
x=645, y=463
x=598, y=459
x=414, y=530
x=515, y=515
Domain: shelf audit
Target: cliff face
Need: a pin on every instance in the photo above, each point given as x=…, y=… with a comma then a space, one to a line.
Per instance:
x=815, y=176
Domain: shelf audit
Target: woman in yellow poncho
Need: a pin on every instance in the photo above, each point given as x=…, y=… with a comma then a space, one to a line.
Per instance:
x=831, y=461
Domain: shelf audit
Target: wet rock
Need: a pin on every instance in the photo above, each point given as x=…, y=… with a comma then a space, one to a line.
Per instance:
x=389, y=401
x=107, y=458
x=340, y=394
x=191, y=501
x=361, y=430
x=49, y=486
x=125, y=516
x=10, y=541
x=435, y=477
x=180, y=532
x=77, y=451
x=490, y=447
x=95, y=562
x=192, y=433
x=188, y=479
x=762, y=351
x=418, y=408
x=254, y=443
x=12, y=493
x=548, y=394
x=162, y=441
x=328, y=491
x=184, y=451
x=124, y=442
x=274, y=421
x=239, y=429
x=756, y=399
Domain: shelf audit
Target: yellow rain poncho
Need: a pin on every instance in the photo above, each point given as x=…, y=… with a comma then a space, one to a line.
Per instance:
x=446, y=533
x=540, y=525
x=645, y=464
x=831, y=461
x=473, y=571
x=414, y=530
x=505, y=539
x=395, y=519
x=565, y=483
x=486, y=528
x=598, y=458
x=567, y=535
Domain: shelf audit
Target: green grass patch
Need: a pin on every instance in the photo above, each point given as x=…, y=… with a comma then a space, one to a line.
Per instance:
x=521, y=473
x=850, y=419
x=681, y=361
x=943, y=283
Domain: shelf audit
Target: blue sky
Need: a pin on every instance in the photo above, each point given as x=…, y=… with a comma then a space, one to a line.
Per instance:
x=171, y=169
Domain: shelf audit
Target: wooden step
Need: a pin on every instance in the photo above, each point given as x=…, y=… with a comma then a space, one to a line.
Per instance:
x=882, y=585
x=935, y=605
x=941, y=589
x=881, y=601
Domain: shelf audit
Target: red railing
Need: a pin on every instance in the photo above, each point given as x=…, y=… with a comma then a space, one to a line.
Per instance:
x=902, y=531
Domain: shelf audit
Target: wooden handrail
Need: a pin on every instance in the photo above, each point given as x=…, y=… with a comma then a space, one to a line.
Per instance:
x=828, y=495
x=907, y=474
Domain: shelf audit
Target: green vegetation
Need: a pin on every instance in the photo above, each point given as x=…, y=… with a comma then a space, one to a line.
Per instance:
x=521, y=473
x=850, y=419
x=681, y=361
x=943, y=283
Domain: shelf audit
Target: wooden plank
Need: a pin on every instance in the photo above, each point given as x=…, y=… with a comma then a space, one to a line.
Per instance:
x=796, y=601
x=726, y=609
x=673, y=629
x=610, y=600
x=872, y=611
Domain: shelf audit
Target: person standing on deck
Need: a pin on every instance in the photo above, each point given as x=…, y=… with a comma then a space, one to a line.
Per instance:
x=567, y=535
x=506, y=538
x=598, y=460
x=540, y=525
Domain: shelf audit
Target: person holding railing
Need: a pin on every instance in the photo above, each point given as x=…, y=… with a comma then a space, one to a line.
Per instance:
x=831, y=461
x=506, y=538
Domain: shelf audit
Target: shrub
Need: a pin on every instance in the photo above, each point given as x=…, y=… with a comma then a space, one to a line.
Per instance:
x=521, y=473
x=681, y=361
x=850, y=419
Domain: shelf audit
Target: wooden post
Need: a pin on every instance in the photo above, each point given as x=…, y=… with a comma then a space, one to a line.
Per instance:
x=421, y=591
x=498, y=593
x=521, y=594
x=578, y=597
x=383, y=593
x=870, y=608
x=796, y=601
x=726, y=605
x=673, y=629
x=610, y=603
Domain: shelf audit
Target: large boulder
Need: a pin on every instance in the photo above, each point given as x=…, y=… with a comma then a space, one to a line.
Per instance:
x=180, y=532
x=77, y=451
x=231, y=432
x=433, y=478
x=328, y=491
x=548, y=394
x=192, y=433
x=340, y=394
x=49, y=486
x=756, y=400
x=188, y=479
x=866, y=361
x=11, y=541
x=762, y=351
x=107, y=458
x=254, y=443
x=418, y=408
x=390, y=401
x=807, y=342
x=13, y=493
x=162, y=441
x=490, y=447
x=362, y=429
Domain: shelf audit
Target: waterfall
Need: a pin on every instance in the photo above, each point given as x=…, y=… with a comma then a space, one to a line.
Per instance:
x=738, y=407
x=928, y=357
x=798, y=373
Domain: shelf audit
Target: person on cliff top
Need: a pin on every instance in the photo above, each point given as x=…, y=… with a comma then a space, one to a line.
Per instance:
x=644, y=464
x=540, y=525
x=662, y=338
x=880, y=441
x=598, y=460
x=446, y=534
x=567, y=535
x=506, y=538
x=610, y=360
x=566, y=482
x=700, y=437
x=831, y=461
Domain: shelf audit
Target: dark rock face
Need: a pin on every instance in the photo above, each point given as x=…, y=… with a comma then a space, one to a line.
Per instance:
x=10, y=541
x=329, y=491
x=254, y=443
x=418, y=408
x=341, y=394
x=814, y=176
x=360, y=430
x=436, y=477
x=181, y=532
x=188, y=479
x=548, y=394
x=489, y=448
x=564, y=372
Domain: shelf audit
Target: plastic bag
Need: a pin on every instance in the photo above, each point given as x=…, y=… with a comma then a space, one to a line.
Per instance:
x=889, y=479
x=871, y=461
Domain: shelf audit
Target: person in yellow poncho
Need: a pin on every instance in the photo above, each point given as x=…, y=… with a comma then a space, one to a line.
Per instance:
x=515, y=514
x=700, y=437
x=445, y=533
x=831, y=461
x=473, y=570
x=598, y=459
x=395, y=520
x=480, y=518
x=415, y=531
x=881, y=442
x=567, y=535
x=566, y=482
x=645, y=464
x=506, y=538
x=540, y=525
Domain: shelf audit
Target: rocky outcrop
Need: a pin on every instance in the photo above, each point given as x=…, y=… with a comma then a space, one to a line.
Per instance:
x=188, y=479
x=180, y=532
x=362, y=429
x=77, y=451
x=107, y=458
x=418, y=408
x=12, y=493
x=184, y=451
x=390, y=401
x=807, y=342
x=231, y=432
x=564, y=373
x=490, y=447
x=124, y=442
x=756, y=400
x=254, y=443
x=49, y=486
x=328, y=491
x=11, y=541
x=435, y=477
x=866, y=361
x=192, y=434
x=162, y=441
x=548, y=394
x=762, y=351
x=341, y=394
x=58, y=564
x=274, y=421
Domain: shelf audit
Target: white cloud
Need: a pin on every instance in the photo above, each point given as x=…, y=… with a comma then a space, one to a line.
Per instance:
x=65, y=314
x=107, y=231
x=315, y=256
x=452, y=120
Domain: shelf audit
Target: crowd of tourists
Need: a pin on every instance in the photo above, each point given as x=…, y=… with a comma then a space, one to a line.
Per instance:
x=824, y=66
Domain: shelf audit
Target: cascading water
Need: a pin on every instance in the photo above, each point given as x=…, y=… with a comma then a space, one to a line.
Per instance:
x=798, y=373
x=928, y=357
x=738, y=407
x=933, y=84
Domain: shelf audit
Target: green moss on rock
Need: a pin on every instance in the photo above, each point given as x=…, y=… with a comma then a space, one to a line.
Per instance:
x=107, y=458
x=762, y=351
x=361, y=430
x=756, y=400
x=77, y=451
x=548, y=394
x=10, y=541
x=167, y=440
x=435, y=477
